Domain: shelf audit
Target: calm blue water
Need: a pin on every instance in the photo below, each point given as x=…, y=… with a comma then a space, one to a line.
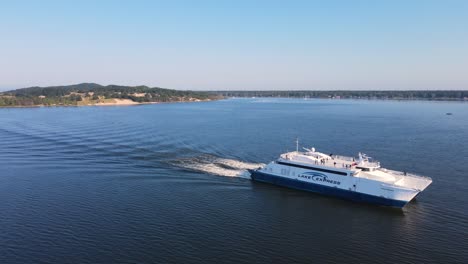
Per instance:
x=166, y=183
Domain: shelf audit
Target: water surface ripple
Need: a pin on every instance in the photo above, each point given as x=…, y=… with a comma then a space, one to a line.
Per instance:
x=167, y=183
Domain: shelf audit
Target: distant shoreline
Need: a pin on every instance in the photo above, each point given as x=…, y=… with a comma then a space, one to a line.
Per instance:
x=132, y=103
x=92, y=94
x=367, y=99
x=105, y=104
x=426, y=95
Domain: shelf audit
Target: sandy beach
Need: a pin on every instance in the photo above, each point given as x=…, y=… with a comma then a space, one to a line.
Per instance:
x=117, y=102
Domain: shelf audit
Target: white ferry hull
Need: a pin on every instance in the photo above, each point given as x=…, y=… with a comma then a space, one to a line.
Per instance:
x=361, y=179
x=340, y=182
x=326, y=190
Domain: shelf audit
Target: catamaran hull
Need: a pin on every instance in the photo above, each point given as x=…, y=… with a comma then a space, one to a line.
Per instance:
x=325, y=190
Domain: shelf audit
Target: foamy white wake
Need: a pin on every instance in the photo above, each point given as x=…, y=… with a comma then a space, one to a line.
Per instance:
x=239, y=164
x=218, y=166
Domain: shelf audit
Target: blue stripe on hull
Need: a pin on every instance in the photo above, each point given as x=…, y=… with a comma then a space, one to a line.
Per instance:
x=331, y=191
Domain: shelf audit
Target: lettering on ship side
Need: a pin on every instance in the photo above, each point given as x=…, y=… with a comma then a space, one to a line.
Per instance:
x=317, y=177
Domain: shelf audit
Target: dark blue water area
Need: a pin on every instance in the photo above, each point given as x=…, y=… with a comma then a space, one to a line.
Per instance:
x=165, y=183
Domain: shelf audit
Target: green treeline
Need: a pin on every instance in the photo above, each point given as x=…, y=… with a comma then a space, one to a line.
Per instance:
x=94, y=93
x=32, y=101
x=91, y=93
x=395, y=95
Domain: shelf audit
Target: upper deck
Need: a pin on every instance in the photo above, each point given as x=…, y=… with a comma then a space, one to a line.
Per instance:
x=361, y=167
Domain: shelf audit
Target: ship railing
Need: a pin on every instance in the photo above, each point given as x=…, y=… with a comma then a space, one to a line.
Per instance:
x=346, y=158
x=372, y=164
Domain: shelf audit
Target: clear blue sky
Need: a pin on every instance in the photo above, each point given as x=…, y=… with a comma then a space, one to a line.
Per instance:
x=201, y=45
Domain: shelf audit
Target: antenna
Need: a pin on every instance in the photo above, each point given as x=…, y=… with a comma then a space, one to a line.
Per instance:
x=297, y=144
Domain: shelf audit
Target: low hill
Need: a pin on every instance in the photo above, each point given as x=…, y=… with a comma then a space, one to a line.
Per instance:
x=95, y=94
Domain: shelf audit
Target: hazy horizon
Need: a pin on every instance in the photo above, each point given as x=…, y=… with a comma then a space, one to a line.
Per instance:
x=241, y=45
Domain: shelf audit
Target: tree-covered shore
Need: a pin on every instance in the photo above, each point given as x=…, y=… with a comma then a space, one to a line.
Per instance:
x=446, y=95
x=95, y=94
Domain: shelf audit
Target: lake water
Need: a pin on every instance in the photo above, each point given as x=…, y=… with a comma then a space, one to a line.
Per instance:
x=166, y=183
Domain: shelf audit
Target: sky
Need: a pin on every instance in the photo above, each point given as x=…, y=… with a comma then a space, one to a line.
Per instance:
x=236, y=45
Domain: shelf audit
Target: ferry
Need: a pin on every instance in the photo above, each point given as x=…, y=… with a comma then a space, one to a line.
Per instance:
x=358, y=179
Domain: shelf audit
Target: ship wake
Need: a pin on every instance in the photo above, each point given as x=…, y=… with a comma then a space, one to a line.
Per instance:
x=217, y=166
